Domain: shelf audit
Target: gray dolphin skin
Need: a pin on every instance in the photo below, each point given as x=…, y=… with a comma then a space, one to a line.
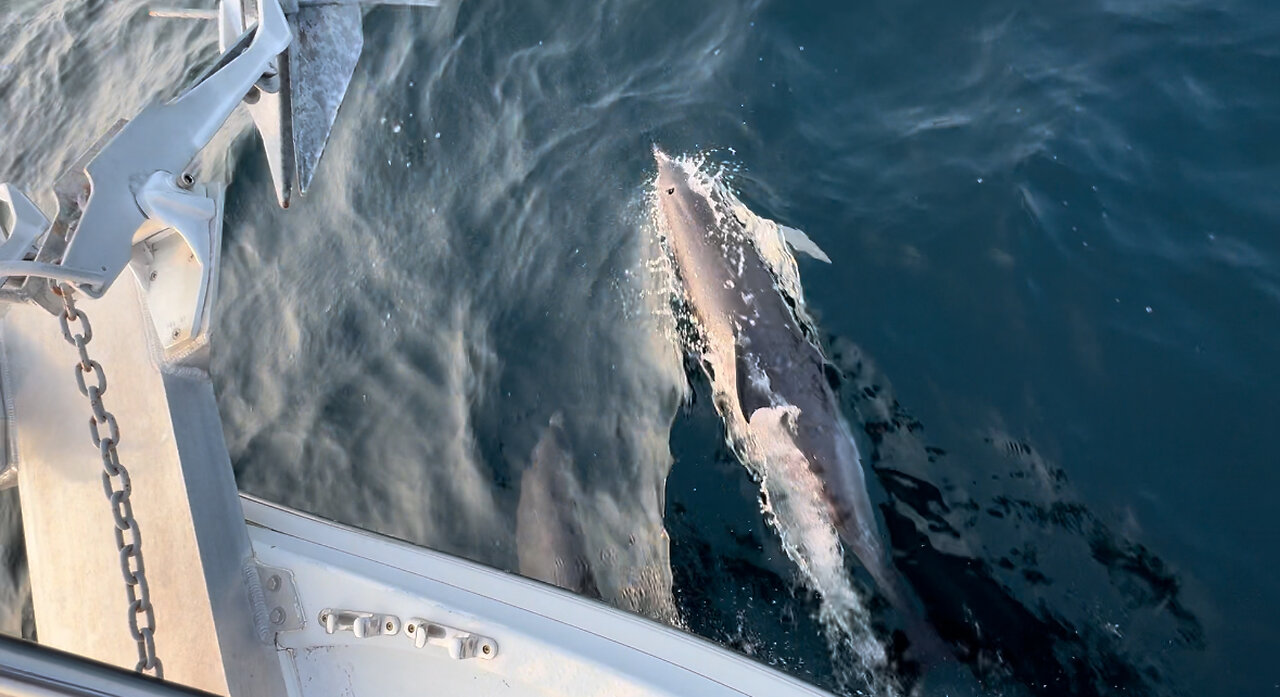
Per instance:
x=766, y=368
x=549, y=541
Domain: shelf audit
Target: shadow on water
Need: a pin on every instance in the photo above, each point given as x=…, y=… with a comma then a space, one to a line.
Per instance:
x=999, y=566
x=1009, y=615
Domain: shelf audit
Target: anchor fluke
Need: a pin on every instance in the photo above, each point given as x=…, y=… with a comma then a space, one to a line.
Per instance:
x=295, y=104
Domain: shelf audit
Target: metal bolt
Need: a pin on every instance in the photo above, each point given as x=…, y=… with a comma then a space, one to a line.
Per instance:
x=177, y=333
x=324, y=617
x=409, y=629
x=389, y=626
x=186, y=181
x=486, y=649
x=273, y=583
x=153, y=275
x=277, y=616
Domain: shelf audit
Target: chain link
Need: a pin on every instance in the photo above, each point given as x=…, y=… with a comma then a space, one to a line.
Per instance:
x=115, y=483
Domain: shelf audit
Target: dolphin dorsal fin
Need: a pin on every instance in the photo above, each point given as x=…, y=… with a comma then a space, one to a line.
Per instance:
x=801, y=243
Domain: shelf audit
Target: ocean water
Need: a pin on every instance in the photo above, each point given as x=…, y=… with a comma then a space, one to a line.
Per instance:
x=1052, y=307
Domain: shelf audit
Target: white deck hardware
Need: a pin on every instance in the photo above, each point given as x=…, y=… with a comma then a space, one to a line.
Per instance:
x=459, y=643
x=174, y=263
x=361, y=624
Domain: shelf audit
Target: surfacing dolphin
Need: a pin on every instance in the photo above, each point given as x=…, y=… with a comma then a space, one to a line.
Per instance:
x=549, y=539
x=767, y=371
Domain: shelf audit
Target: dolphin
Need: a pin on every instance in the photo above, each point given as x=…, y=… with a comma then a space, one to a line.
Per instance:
x=768, y=372
x=549, y=540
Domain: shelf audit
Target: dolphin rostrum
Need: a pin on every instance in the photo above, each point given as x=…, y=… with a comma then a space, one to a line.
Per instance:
x=768, y=377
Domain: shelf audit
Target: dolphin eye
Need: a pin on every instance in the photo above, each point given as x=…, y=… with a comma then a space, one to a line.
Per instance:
x=670, y=191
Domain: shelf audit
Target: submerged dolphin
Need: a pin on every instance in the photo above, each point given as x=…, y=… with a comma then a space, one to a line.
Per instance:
x=768, y=374
x=549, y=540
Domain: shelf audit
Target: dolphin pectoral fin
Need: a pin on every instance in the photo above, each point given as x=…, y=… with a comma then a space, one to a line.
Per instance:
x=801, y=243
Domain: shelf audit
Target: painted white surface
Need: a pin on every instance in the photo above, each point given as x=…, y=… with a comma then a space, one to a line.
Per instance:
x=550, y=642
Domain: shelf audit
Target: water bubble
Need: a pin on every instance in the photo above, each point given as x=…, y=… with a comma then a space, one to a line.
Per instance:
x=1148, y=309
x=395, y=128
x=437, y=135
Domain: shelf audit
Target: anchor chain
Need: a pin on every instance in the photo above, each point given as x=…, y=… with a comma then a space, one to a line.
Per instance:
x=116, y=484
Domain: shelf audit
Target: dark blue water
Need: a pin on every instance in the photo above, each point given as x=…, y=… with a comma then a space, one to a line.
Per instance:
x=1053, y=234
x=1053, y=308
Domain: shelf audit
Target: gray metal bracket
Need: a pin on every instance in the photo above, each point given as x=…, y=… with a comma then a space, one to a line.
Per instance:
x=274, y=598
x=137, y=182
